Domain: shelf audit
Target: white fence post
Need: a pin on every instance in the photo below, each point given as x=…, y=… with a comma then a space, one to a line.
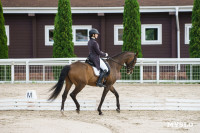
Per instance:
x=27, y=71
x=176, y=72
x=191, y=72
x=12, y=73
x=5, y=73
x=70, y=61
x=141, y=72
x=157, y=72
x=43, y=73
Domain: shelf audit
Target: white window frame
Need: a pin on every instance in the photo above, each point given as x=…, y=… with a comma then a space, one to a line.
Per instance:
x=47, y=28
x=116, y=39
x=151, y=42
x=80, y=27
x=187, y=33
x=7, y=34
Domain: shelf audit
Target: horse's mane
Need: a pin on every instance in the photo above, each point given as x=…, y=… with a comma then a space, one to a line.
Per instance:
x=119, y=54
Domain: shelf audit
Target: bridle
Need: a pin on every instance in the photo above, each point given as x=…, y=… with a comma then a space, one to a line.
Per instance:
x=128, y=67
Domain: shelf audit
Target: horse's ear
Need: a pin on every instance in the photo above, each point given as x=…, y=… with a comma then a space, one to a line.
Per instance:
x=136, y=54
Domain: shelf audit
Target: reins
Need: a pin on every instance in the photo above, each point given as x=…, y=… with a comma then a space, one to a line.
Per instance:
x=115, y=61
x=123, y=65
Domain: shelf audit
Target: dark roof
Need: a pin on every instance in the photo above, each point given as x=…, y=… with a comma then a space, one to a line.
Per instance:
x=93, y=3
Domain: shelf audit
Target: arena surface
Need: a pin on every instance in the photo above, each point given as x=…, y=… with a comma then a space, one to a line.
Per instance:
x=111, y=121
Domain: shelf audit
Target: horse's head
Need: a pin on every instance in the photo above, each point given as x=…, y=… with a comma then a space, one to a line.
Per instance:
x=130, y=64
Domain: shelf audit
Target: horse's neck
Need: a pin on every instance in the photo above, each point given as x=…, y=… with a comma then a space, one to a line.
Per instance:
x=121, y=59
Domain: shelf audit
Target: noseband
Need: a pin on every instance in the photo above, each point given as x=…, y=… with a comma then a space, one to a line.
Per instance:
x=129, y=66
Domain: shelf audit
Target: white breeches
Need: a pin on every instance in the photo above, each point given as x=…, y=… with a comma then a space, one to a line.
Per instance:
x=103, y=65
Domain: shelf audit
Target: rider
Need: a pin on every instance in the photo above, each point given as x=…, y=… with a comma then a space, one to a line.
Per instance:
x=94, y=55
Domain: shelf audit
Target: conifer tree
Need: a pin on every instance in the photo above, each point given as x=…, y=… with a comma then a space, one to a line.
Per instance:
x=132, y=27
x=194, y=47
x=3, y=37
x=63, y=45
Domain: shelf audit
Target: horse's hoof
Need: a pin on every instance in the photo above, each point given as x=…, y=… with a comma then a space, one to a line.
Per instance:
x=77, y=111
x=100, y=113
x=62, y=112
x=118, y=110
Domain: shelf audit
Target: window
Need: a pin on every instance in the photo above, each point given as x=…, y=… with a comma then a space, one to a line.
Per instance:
x=118, y=34
x=187, y=33
x=152, y=34
x=81, y=34
x=49, y=35
x=7, y=34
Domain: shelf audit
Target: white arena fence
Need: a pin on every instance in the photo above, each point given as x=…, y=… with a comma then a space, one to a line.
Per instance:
x=165, y=104
x=157, y=70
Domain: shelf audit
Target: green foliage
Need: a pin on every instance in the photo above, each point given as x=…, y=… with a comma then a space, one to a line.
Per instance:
x=134, y=76
x=63, y=45
x=4, y=70
x=56, y=71
x=132, y=27
x=5, y=73
x=195, y=31
x=193, y=72
x=3, y=37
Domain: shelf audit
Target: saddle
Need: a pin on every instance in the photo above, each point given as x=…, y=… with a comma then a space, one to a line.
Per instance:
x=90, y=62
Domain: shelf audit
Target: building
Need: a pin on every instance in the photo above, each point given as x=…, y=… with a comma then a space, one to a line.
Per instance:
x=30, y=24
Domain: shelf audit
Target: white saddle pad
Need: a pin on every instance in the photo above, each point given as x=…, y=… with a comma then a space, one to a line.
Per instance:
x=96, y=72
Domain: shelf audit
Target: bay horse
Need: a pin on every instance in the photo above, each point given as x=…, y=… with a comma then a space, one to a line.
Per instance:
x=81, y=74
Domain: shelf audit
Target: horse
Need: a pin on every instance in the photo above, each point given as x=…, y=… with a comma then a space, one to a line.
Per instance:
x=81, y=74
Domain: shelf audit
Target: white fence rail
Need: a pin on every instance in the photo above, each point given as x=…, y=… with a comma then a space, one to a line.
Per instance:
x=146, y=70
x=165, y=104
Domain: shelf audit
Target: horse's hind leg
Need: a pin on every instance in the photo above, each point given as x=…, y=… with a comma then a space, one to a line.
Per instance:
x=112, y=89
x=77, y=89
x=64, y=96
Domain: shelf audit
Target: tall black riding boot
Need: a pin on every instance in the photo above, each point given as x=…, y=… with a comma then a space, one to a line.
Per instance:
x=101, y=76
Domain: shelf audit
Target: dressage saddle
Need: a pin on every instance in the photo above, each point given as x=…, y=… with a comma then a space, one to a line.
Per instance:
x=90, y=62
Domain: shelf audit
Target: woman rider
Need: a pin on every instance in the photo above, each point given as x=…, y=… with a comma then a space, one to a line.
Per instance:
x=94, y=55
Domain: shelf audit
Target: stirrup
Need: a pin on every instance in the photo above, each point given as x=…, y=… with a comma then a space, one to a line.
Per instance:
x=100, y=85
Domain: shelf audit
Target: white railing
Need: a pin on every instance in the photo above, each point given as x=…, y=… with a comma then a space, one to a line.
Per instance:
x=147, y=70
x=147, y=104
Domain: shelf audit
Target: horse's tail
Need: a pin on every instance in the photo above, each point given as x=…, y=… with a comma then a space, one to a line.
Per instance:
x=58, y=87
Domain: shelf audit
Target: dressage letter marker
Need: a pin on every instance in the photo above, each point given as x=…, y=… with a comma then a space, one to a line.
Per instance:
x=31, y=94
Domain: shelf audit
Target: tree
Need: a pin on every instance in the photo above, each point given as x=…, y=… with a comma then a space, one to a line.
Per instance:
x=194, y=47
x=5, y=72
x=63, y=45
x=132, y=27
x=3, y=37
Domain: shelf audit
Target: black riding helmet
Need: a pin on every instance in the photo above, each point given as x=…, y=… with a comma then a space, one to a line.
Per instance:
x=93, y=31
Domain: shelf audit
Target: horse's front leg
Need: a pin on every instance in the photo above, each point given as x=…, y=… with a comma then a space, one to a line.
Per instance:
x=105, y=91
x=117, y=98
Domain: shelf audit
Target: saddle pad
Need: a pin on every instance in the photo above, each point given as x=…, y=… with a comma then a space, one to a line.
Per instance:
x=96, y=72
